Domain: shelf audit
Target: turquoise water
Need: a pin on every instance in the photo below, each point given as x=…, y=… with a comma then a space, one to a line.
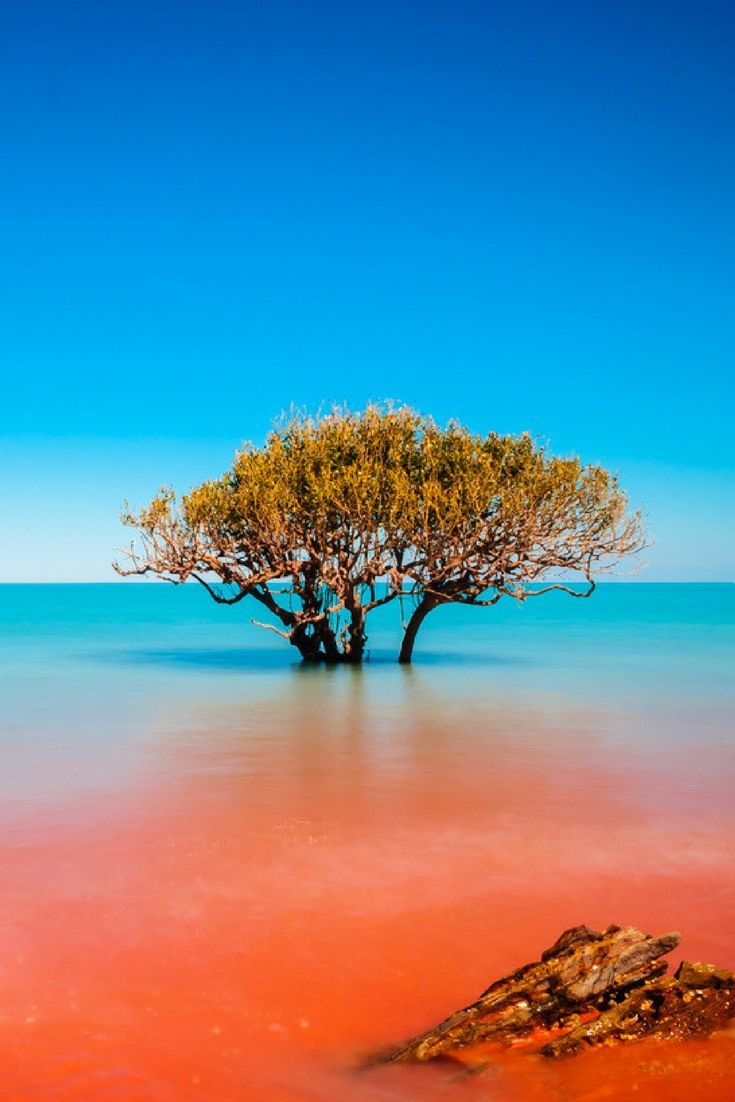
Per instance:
x=93, y=670
x=192, y=823
x=104, y=662
x=650, y=646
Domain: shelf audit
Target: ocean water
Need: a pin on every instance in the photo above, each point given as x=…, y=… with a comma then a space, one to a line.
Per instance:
x=227, y=876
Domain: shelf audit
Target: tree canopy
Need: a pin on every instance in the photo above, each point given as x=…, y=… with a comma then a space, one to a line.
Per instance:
x=339, y=514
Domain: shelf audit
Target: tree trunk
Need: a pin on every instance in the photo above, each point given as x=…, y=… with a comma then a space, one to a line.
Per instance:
x=418, y=616
x=307, y=643
x=330, y=652
x=317, y=643
x=356, y=637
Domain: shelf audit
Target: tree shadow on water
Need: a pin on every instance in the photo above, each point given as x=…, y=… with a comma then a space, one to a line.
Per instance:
x=274, y=659
x=467, y=658
x=225, y=659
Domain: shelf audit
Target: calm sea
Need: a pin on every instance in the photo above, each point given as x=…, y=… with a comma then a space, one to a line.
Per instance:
x=226, y=876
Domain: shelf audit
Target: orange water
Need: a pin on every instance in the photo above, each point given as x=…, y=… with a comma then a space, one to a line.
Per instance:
x=273, y=890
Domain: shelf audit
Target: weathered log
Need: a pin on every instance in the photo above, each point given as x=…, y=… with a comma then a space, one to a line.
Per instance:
x=694, y=1003
x=586, y=989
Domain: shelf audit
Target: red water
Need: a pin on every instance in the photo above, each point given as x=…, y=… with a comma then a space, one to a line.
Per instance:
x=255, y=911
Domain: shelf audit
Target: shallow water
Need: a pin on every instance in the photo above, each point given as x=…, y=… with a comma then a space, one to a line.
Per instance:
x=227, y=877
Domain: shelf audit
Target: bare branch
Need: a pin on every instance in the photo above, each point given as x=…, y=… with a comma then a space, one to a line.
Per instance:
x=271, y=627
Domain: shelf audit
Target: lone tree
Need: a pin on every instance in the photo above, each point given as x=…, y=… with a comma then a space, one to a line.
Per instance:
x=339, y=514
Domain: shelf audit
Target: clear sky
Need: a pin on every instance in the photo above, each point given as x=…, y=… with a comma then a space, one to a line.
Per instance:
x=519, y=214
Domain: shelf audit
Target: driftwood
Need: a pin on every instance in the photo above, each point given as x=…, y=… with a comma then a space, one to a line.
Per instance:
x=589, y=988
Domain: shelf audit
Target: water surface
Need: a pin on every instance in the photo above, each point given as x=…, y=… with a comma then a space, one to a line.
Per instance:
x=225, y=877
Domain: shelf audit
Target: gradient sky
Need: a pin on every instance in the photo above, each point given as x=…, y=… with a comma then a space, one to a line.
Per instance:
x=521, y=215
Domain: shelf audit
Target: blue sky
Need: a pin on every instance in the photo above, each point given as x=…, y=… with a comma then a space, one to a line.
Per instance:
x=517, y=214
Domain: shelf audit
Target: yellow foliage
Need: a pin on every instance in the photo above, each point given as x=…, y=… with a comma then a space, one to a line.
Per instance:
x=332, y=504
